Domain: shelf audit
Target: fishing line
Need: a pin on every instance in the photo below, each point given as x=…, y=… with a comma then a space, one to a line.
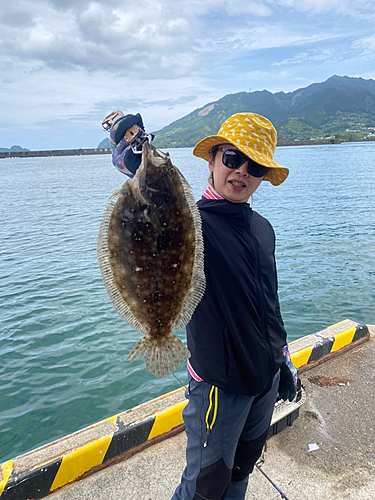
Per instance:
x=178, y=380
x=273, y=484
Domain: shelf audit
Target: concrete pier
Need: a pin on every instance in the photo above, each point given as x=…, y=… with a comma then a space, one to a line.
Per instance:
x=336, y=421
x=339, y=417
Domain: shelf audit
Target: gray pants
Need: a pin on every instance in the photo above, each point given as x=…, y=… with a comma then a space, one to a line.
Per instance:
x=225, y=437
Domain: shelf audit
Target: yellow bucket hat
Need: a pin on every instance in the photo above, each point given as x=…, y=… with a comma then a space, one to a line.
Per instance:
x=252, y=134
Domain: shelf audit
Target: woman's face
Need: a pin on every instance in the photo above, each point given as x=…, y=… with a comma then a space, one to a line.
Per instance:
x=234, y=185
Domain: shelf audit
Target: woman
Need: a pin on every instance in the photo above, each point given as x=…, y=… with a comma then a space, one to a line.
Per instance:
x=239, y=357
x=236, y=336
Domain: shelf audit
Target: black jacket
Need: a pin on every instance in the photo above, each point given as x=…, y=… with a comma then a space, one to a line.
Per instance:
x=236, y=334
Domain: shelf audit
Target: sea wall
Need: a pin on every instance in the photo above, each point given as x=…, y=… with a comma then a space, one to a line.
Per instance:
x=309, y=143
x=104, y=151
x=55, y=152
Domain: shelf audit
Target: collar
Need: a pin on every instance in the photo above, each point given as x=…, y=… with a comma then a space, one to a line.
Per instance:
x=211, y=194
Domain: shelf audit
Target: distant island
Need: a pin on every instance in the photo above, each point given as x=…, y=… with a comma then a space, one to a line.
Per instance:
x=13, y=149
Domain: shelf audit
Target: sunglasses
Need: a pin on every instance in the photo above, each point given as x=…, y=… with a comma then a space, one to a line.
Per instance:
x=234, y=159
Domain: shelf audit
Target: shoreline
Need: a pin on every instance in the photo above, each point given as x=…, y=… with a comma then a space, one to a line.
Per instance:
x=103, y=151
x=55, y=152
x=312, y=142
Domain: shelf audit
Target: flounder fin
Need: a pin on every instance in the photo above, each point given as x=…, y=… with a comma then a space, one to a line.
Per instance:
x=102, y=254
x=198, y=279
x=162, y=355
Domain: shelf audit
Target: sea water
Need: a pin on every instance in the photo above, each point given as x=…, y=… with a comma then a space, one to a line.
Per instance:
x=63, y=347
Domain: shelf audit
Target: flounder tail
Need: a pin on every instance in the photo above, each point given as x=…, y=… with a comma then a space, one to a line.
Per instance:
x=162, y=355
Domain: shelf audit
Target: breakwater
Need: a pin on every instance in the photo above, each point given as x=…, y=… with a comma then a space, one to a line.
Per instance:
x=55, y=152
x=311, y=142
x=104, y=151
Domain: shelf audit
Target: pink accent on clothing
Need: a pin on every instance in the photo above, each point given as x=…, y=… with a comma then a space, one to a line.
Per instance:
x=192, y=372
x=211, y=194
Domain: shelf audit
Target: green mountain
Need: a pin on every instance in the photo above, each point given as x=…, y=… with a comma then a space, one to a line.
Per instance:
x=342, y=107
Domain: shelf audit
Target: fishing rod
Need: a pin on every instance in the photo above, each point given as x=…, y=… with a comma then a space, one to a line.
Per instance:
x=273, y=484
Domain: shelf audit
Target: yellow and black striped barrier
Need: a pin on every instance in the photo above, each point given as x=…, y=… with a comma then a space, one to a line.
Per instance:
x=42, y=471
x=314, y=349
x=46, y=469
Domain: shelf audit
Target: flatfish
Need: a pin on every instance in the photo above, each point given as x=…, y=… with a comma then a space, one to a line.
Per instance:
x=151, y=258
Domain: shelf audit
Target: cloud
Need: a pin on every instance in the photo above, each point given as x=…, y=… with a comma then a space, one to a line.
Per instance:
x=265, y=37
x=309, y=56
x=149, y=39
x=171, y=102
x=366, y=45
x=357, y=8
x=100, y=36
x=157, y=38
x=76, y=60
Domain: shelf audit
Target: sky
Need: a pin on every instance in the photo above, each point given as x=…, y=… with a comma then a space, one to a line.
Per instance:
x=66, y=64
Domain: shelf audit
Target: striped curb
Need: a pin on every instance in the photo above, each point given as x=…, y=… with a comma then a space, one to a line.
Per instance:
x=42, y=471
x=312, y=350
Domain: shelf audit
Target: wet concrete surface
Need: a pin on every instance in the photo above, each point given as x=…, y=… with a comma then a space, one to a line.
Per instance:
x=338, y=417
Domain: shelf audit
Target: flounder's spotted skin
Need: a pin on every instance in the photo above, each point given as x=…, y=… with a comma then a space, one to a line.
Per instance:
x=152, y=254
x=150, y=251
